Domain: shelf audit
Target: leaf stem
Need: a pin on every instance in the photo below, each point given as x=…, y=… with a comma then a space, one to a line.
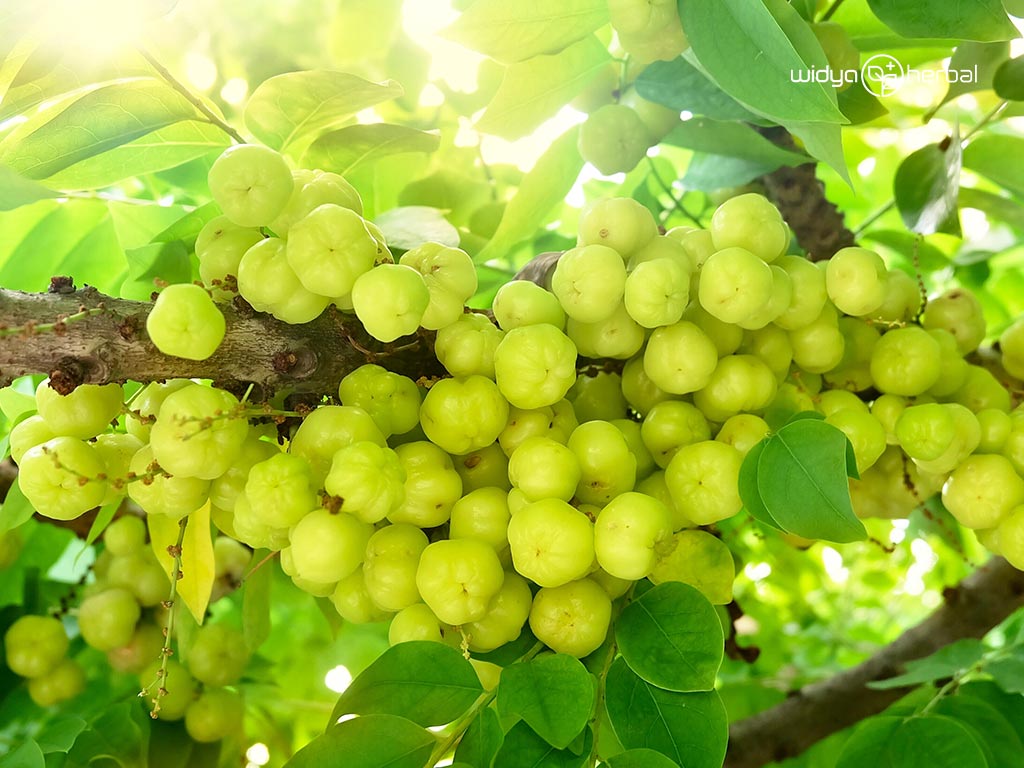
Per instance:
x=192, y=98
x=831, y=10
x=872, y=218
x=166, y=652
x=677, y=202
x=987, y=118
x=459, y=727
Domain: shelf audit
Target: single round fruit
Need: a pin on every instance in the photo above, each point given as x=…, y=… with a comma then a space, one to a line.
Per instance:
x=251, y=184
x=390, y=301
x=218, y=655
x=84, y=412
x=184, y=322
x=457, y=578
x=614, y=139
x=217, y=713
x=572, y=618
x=107, y=619
x=65, y=681
x=35, y=645
x=552, y=543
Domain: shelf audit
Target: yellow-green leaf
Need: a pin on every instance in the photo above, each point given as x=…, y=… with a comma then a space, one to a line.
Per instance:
x=533, y=90
x=85, y=124
x=197, y=564
x=296, y=107
x=515, y=30
x=346, y=149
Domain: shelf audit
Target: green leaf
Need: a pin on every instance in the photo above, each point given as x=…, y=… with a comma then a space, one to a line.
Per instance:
x=120, y=733
x=868, y=746
x=953, y=659
x=523, y=747
x=750, y=493
x=727, y=36
x=291, y=110
x=713, y=172
x=732, y=140
x=860, y=105
x=1010, y=705
x=1008, y=672
x=672, y=638
x=156, y=151
x=15, y=404
x=690, y=728
x=801, y=476
x=188, y=227
x=823, y=141
x=167, y=262
x=639, y=758
x=345, y=149
x=697, y=558
x=90, y=123
x=992, y=731
x=535, y=89
x=16, y=190
x=425, y=682
x=929, y=257
x=553, y=694
x=998, y=157
x=681, y=86
x=935, y=741
x=16, y=509
x=926, y=187
x=412, y=225
x=28, y=755
x=983, y=58
x=60, y=734
x=370, y=741
x=100, y=523
x=983, y=20
x=544, y=187
x=481, y=741
x=256, y=603
x=515, y=30
x=1009, y=80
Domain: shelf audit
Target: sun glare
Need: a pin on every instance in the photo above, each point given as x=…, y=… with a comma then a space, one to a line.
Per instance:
x=96, y=26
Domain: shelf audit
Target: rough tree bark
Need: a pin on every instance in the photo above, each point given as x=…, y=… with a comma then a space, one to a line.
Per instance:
x=800, y=197
x=112, y=345
x=970, y=609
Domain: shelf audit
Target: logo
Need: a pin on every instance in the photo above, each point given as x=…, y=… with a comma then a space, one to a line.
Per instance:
x=882, y=74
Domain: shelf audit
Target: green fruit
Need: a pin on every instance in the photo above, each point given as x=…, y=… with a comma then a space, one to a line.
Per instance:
x=184, y=322
x=267, y=281
x=197, y=433
x=463, y=415
x=626, y=533
x=218, y=655
x=35, y=645
x=457, y=579
x=107, y=619
x=216, y=714
x=390, y=301
x=178, y=685
x=572, y=618
x=63, y=682
x=620, y=223
x=750, y=222
x=251, y=184
x=328, y=547
x=614, y=139
x=329, y=249
x=535, y=366
x=59, y=478
x=551, y=542
x=83, y=413
x=589, y=282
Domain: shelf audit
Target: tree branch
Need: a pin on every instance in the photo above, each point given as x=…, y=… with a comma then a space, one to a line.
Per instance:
x=84, y=337
x=971, y=609
x=800, y=197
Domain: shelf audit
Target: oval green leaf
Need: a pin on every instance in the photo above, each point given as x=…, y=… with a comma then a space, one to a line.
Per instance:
x=690, y=728
x=514, y=30
x=680, y=85
x=750, y=493
x=412, y=225
x=728, y=35
x=983, y=20
x=935, y=741
x=554, y=695
x=639, y=758
x=926, y=187
x=296, y=107
x=345, y=149
x=370, y=741
x=535, y=89
x=523, y=747
x=672, y=638
x=801, y=477
x=425, y=682
x=481, y=741
x=993, y=732
x=999, y=158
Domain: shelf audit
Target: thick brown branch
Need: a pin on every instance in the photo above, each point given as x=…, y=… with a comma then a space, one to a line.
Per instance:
x=112, y=345
x=971, y=609
x=800, y=197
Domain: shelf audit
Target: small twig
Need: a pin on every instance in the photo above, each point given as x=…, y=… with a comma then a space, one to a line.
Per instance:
x=831, y=10
x=677, y=202
x=165, y=652
x=873, y=217
x=194, y=100
x=57, y=326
